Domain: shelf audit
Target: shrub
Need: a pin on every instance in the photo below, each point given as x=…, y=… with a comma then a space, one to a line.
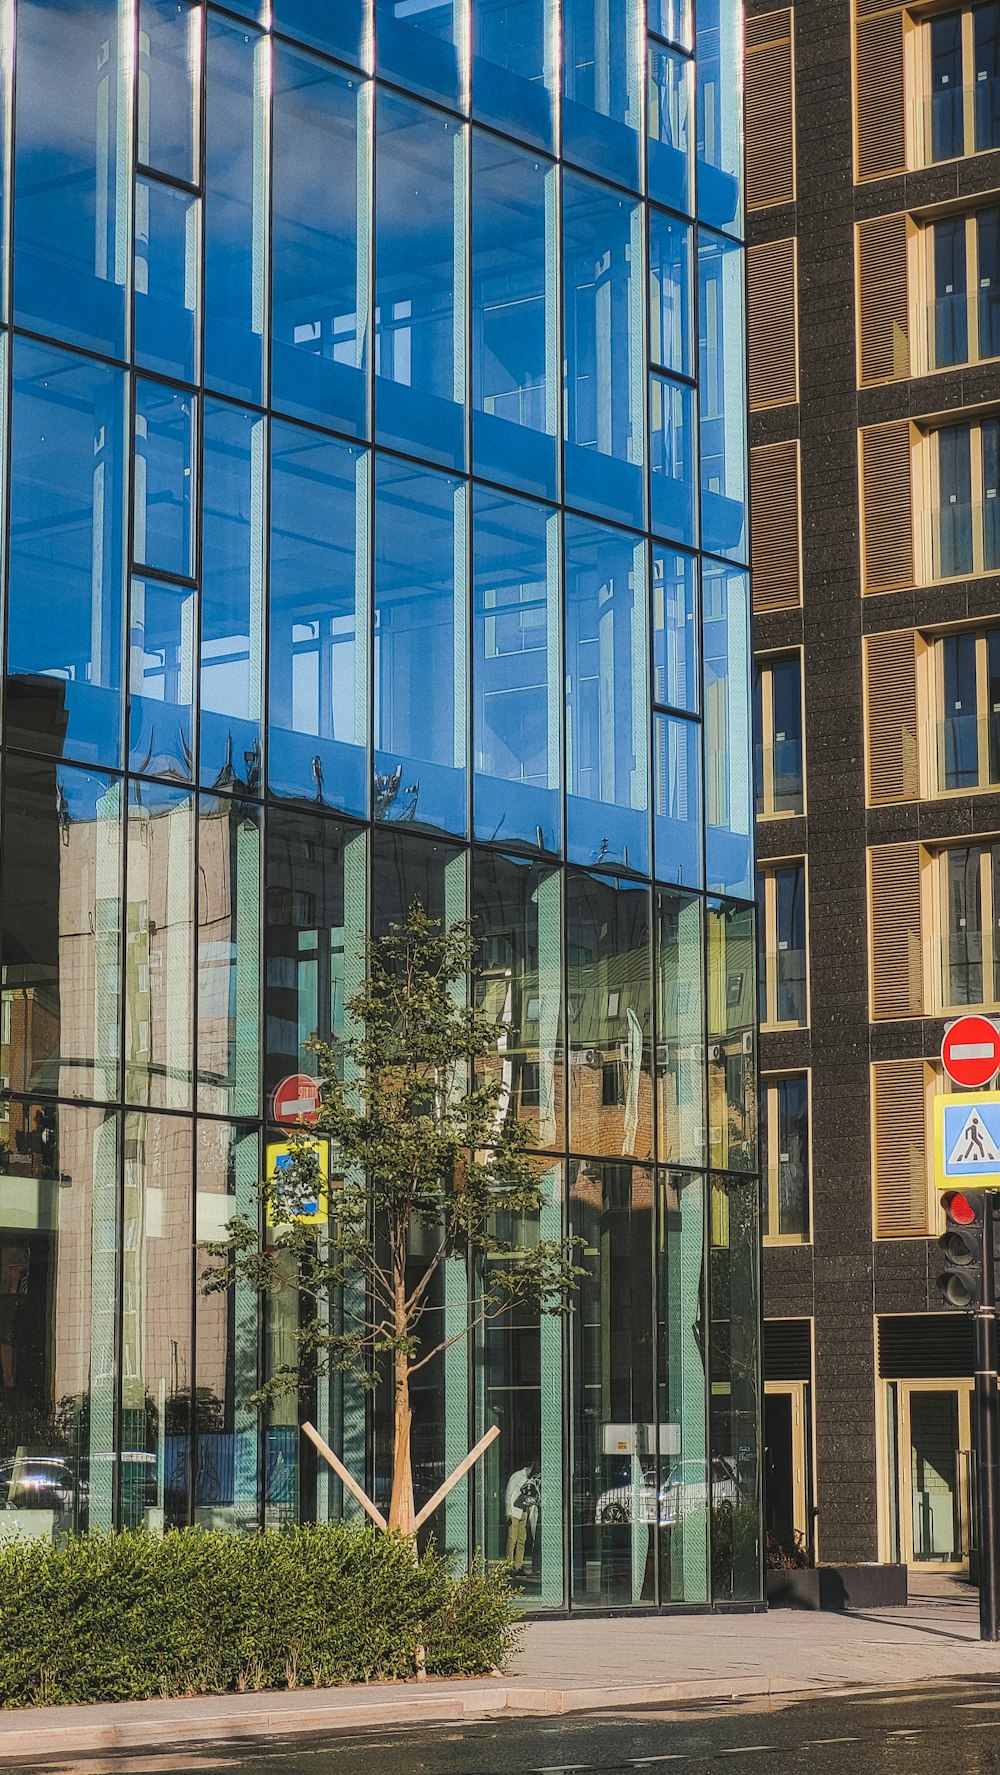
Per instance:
x=130, y=1616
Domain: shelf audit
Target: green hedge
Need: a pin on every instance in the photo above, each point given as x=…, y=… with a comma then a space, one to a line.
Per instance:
x=131, y=1616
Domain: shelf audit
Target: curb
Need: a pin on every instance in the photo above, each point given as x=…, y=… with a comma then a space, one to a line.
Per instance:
x=221, y=1727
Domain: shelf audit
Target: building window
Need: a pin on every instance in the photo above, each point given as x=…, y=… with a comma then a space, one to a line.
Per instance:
x=963, y=82
x=965, y=530
x=967, y=684
x=778, y=743
x=970, y=945
x=963, y=272
x=781, y=911
x=784, y=1127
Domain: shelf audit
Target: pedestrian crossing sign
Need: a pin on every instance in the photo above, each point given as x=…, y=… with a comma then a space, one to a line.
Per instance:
x=967, y=1140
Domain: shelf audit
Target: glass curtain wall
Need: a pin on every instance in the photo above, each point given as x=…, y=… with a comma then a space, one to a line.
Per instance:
x=372, y=425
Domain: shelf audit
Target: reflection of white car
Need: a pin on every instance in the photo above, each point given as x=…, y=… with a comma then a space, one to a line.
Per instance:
x=681, y=1492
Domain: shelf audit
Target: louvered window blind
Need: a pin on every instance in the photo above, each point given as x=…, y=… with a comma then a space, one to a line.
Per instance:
x=880, y=100
x=896, y=931
x=899, y=1090
x=883, y=299
x=769, y=111
x=887, y=494
x=775, y=528
x=891, y=681
x=771, y=324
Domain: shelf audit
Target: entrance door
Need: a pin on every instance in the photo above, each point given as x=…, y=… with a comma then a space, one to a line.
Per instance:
x=786, y=1490
x=935, y=1425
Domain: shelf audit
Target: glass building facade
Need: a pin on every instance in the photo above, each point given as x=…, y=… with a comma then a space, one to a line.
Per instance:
x=375, y=527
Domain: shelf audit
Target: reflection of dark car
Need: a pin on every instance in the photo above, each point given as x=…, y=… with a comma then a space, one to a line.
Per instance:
x=37, y=1482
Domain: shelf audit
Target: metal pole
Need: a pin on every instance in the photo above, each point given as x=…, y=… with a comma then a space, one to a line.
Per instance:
x=986, y=1436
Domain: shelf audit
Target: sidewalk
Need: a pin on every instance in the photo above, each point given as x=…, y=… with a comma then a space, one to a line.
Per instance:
x=566, y=1667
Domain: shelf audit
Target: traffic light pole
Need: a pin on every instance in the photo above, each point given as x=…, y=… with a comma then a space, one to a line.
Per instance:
x=987, y=1453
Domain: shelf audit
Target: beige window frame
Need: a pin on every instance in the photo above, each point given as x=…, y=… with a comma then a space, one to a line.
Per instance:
x=772, y=946
x=770, y=1115
x=922, y=121
x=928, y=492
x=982, y=714
x=986, y=939
x=927, y=294
x=770, y=738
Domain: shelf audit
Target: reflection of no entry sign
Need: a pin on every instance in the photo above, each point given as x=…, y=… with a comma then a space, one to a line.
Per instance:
x=296, y=1099
x=970, y=1052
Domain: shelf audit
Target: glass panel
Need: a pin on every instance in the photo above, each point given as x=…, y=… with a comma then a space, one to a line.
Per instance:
x=164, y=491
x=732, y=1032
x=343, y=30
x=419, y=280
x=670, y=293
x=167, y=276
x=786, y=719
x=986, y=27
x=961, y=712
x=67, y=537
x=668, y=119
x=792, y=1159
x=719, y=113
x=676, y=678
x=514, y=68
x=602, y=82
x=521, y=1490
x=722, y=397
x=236, y=208
x=420, y=647
x=159, y=946
x=680, y=1033
x=229, y=922
x=964, y=961
x=516, y=909
x=61, y=922
x=608, y=964
x=989, y=432
x=156, y=1323
x=169, y=87
x=58, y=1259
x=515, y=372
x=603, y=349
x=318, y=619
x=951, y=307
x=935, y=1491
x=618, y=1500
x=421, y=45
x=677, y=825
x=728, y=763
x=670, y=19
x=517, y=678
x=73, y=183
x=315, y=913
x=672, y=458
x=787, y=959
x=163, y=636
x=734, y=1415
x=226, y=1466
x=947, y=99
x=682, y=1426
x=319, y=306
x=232, y=620
x=607, y=732
x=954, y=551
x=993, y=701
x=988, y=263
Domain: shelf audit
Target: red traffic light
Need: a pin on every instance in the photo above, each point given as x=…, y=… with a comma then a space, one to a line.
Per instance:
x=958, y=1208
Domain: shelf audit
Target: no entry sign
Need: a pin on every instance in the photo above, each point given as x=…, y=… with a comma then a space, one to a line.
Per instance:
x=296, y=1099
x=970, y=1052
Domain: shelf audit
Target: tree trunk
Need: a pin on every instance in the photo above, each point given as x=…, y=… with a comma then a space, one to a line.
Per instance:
x=401, y=1510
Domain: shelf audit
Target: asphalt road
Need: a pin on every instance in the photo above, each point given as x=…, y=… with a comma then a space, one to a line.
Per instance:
x=948, y=1728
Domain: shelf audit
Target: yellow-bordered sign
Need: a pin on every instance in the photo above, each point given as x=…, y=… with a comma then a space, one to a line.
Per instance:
x=967, y=1140
x=313, y=1208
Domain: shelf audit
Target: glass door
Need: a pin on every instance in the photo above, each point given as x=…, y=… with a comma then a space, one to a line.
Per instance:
x=935, y=1435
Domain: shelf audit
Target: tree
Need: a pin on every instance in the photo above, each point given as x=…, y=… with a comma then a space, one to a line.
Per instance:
x=419, y=1136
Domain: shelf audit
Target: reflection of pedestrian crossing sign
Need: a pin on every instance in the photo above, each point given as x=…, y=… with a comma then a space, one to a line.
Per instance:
x=967, y=1140
x=305, y=1200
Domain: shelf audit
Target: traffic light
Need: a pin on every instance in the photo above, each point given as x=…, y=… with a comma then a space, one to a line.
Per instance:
x=961, y=1246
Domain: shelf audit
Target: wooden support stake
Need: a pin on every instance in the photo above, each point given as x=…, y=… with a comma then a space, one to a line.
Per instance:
x=460, y=1471
x=345, y=1478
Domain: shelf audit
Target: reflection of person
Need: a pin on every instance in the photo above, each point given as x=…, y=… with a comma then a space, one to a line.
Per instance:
x=521, y=1503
